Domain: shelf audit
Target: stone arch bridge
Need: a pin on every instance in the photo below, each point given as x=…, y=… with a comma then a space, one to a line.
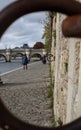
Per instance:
x=9, y=53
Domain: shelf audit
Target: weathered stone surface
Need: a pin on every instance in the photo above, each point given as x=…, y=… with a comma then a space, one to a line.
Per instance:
x=25, y=93
x=66, y=76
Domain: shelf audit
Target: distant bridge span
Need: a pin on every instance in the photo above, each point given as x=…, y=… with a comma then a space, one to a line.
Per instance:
x=9, y=53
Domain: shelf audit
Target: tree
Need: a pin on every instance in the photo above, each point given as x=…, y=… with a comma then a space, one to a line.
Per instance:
x=38, y=45
x=47, y=35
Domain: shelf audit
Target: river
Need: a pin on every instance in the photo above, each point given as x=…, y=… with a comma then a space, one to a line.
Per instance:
x=9, y=66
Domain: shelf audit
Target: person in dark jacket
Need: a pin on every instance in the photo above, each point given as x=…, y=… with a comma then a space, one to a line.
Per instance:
x=44, y=59
x=24, y=61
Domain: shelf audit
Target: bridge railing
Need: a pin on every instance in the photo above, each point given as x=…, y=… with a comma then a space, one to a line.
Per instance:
x=37, y=50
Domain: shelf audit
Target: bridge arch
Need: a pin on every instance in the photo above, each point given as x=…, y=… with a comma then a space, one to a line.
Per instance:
x=16, y=54
x=1, y=55
x=36, y=55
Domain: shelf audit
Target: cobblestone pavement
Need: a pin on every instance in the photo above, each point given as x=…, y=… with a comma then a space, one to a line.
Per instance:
x=25, y=93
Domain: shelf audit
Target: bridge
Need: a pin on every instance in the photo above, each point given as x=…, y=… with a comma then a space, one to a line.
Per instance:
x=8, y=54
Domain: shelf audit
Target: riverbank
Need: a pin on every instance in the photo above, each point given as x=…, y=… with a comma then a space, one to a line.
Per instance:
x=25, y=93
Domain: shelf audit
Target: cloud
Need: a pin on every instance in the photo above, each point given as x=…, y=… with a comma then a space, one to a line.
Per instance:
x=27, y=29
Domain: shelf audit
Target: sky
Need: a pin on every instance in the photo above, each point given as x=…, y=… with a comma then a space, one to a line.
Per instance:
x=27, y=29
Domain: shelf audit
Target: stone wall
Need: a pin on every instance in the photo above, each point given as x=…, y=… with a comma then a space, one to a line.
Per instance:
x=67, y=75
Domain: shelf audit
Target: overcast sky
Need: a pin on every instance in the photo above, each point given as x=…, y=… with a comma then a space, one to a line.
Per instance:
x=27, y=29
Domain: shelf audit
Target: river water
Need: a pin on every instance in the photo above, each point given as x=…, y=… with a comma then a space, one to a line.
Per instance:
x=9, y=66
x=14, y=64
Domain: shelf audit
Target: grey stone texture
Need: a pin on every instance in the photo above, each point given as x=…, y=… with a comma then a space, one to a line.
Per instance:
x=25, y=94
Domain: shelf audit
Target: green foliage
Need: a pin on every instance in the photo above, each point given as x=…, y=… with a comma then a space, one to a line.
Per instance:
x=47, y=33
x=60, y=122
x=51, y=87
x=53, y=122
x=47, y=36
x=50, y=93
x=56, y=122
x=54, y=34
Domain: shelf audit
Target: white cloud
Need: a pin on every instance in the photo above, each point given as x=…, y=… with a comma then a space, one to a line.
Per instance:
x=27, y=29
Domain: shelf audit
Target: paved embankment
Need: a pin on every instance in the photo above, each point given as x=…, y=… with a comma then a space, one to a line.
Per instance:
x=25, y=93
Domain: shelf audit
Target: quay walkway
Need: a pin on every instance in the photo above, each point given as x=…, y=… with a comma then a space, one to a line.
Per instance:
x=25, y=94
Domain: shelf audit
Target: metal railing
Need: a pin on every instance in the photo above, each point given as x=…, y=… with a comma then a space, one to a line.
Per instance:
x=19, y=8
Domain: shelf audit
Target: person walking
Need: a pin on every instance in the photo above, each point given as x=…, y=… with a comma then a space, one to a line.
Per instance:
x=24, y=61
